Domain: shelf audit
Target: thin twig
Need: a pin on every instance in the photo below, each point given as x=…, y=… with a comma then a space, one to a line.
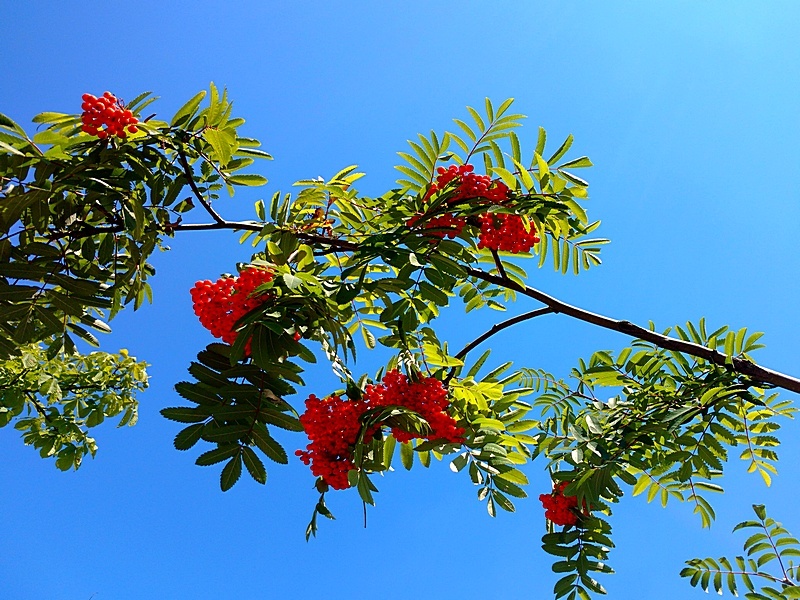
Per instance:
x=500, y=326
x=187, y=171
x=497, y=328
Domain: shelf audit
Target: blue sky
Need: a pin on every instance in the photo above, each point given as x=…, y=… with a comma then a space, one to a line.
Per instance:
x=687, y=109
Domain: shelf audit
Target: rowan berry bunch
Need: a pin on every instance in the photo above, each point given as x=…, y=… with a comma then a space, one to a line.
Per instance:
x=427, y=397
x=333, y=424
x=498, y=231
x=441, y=226
x=221, y=303
x=468, y=184
x=106, y=111
x=506, y=232
x=560, y=509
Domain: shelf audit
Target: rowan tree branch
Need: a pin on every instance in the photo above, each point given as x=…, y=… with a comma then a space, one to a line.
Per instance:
x=334, y=243
x=740, y=365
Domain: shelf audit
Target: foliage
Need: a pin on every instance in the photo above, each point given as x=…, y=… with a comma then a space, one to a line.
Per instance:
x=55, y=401
x=80, y=217
x=770, y=544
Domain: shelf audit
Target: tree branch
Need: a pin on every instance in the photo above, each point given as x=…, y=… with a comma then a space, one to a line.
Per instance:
x=740, y=365
x=336, y=244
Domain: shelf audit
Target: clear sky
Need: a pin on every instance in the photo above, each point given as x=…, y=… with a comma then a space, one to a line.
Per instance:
x=689, y=111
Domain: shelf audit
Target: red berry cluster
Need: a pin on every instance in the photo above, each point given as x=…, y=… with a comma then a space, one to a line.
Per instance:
x=506, y=232
x=560, y=509
x=106, y=111
x=441, y=226
x=470, y=184
x=426, y=397
x=220, y=304
x=332, y=424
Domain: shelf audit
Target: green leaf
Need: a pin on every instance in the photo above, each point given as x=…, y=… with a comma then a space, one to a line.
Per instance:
x=226, y=433
x=7, y=122
x=216, y=455
x=254, y=465
x=184, y=414
x=509, y=488
x=222, y=144
x=513, y=475
x=502, y=501
x=540, y=142
x=407, y=455
x=66, y=458
x=10, y=148
x=231, y=472
x=51, y=117
x=292, y=281
x=186, y=111
x=282, y=420
x=577, y=163
x=267, y=444
x=188, y=437
x=48, y=136
x=490, y=507
x=247, y=179
x=562, y=150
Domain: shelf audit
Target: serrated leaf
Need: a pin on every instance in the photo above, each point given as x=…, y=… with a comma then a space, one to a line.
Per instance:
x=268, y=445
x=222, y=143
x=184, y=414
x=254, y=465
x=188, y=437
x=185, y=112
x=231, y=473
x=216, y=455
x=247, y=179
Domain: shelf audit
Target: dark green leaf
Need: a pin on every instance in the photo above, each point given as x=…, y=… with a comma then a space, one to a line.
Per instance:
x=188, y=437
x=231, y=472
x=217, y=455
x=254, y=465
